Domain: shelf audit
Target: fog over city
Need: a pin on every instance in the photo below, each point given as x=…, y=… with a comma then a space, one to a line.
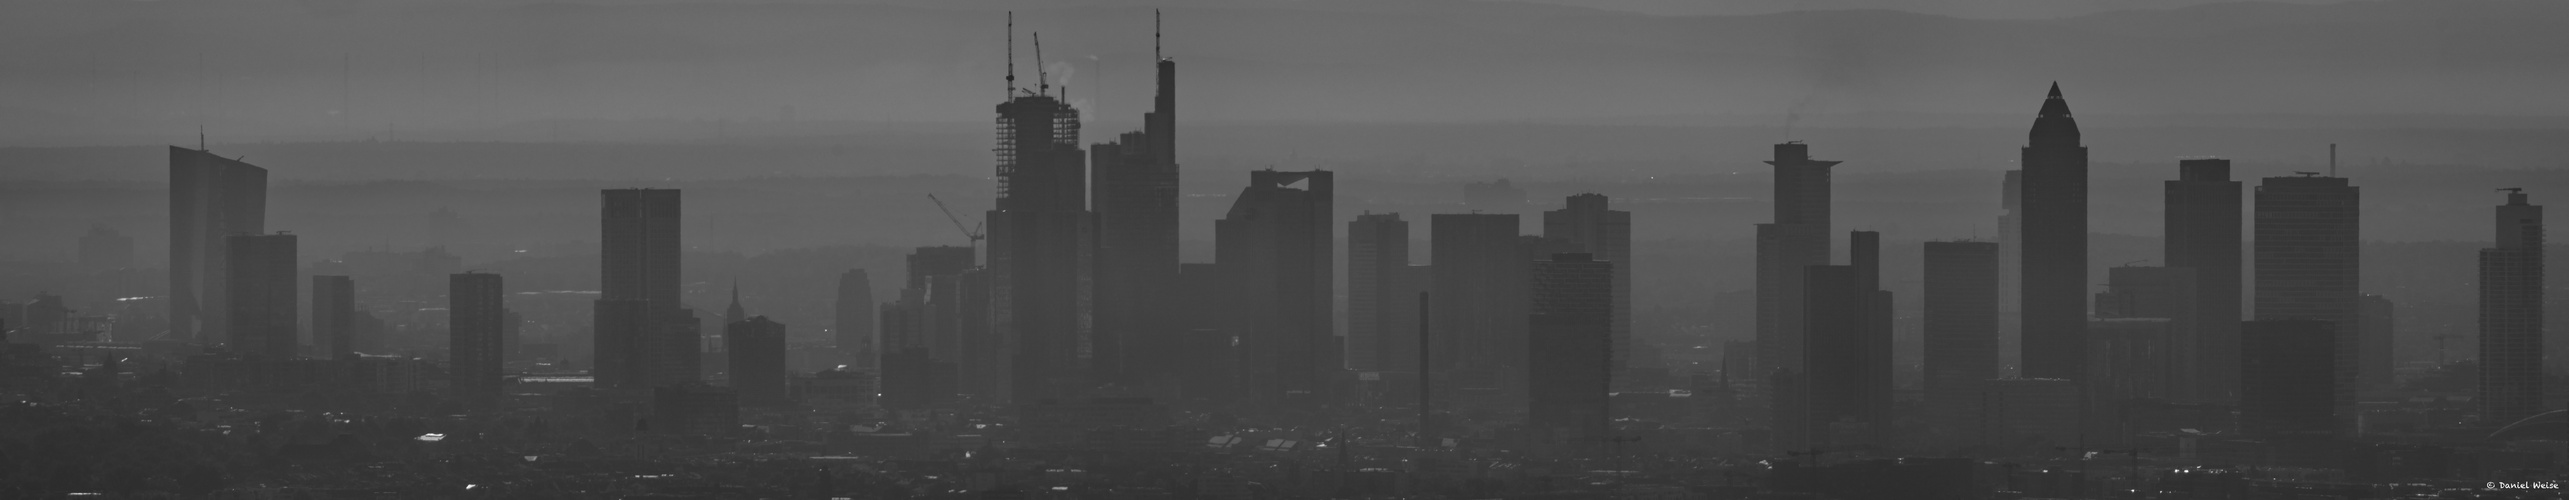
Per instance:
x=1282, y=249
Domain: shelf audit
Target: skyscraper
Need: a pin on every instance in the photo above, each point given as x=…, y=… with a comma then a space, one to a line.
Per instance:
x=1606, y=234
x=210, y=198
x=1042, y=249
x=1798, y=238
x=1480, y=282
x=2511, y=314
x=1278, y=242
x=854, y=311
x=2307, y=267
x=2054, y=199
x=334, y=312
x=1571, y=322
x=756, y=347
x=644, y=337
x=1846, y=350
x=1377, y=250
x=1135, y=192
x=2287, y=381
x=2203, y=207
x=1960, y=329
x=261, y=295
x=475, y=311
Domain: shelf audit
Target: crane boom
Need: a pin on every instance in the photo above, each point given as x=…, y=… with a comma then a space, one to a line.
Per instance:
x=973, y=234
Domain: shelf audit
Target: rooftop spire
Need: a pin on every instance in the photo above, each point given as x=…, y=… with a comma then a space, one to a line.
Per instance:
x=2053, y=126
x=734, y=314
x=1155, y=35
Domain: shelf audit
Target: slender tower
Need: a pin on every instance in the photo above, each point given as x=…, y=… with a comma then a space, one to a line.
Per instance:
x=1134, y=191
x=2054, y=202
x=2511, y=314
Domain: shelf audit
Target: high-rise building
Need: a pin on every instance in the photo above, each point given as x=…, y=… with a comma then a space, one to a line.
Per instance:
x=2287, y=378
x=644, y=337
x=2133, y=358
x=261, y=294
x=105, y=248
x=1480, y=281
x=2307, y=250
x=2511, y=275
x=1377, y=251
x=2165, y=295
x=475, y=311
x=334, y=314
x=1278, y=242
x=1209, y=316
x=1571, y=322
x=210, y=198
x=1042, y=250
x=1847, y=348
x=2374, y=324
x=854, y=311
x=1134, y=191
x=2203, y=231
x=756, y=347
x=2054, y=199
x=1960, y=330
x=1591, y=228
x=733, y=313
x=1798, y=238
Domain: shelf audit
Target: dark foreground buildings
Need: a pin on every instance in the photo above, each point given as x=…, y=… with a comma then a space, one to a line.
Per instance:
x=1960, y=329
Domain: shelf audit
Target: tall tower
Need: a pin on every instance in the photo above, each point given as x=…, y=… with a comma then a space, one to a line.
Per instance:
x=1043, y=242
x=854, y=310
x=2287, y=384
x=1135, y=192
x=1571, y=322
x=1278, y=242
x=1960, y=329
x=210, y=198
x=1798, y=238
x=2203, y=207
x=2511, y=314
x=2011, y=268
x=1605, y=234
x=475, y=310
x=642, y=331
x=261, y=294
x=334, y=312
x=2055, y=250
x=2308, y=268
x=1377, y=252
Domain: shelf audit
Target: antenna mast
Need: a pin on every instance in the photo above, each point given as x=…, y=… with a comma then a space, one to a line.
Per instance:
x=1155, y=36
x=2332, y=159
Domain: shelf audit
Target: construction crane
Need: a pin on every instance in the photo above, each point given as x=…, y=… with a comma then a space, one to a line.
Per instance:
x=974, y=235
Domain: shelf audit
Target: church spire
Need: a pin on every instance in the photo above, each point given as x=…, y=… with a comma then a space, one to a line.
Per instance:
x=734, y=314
